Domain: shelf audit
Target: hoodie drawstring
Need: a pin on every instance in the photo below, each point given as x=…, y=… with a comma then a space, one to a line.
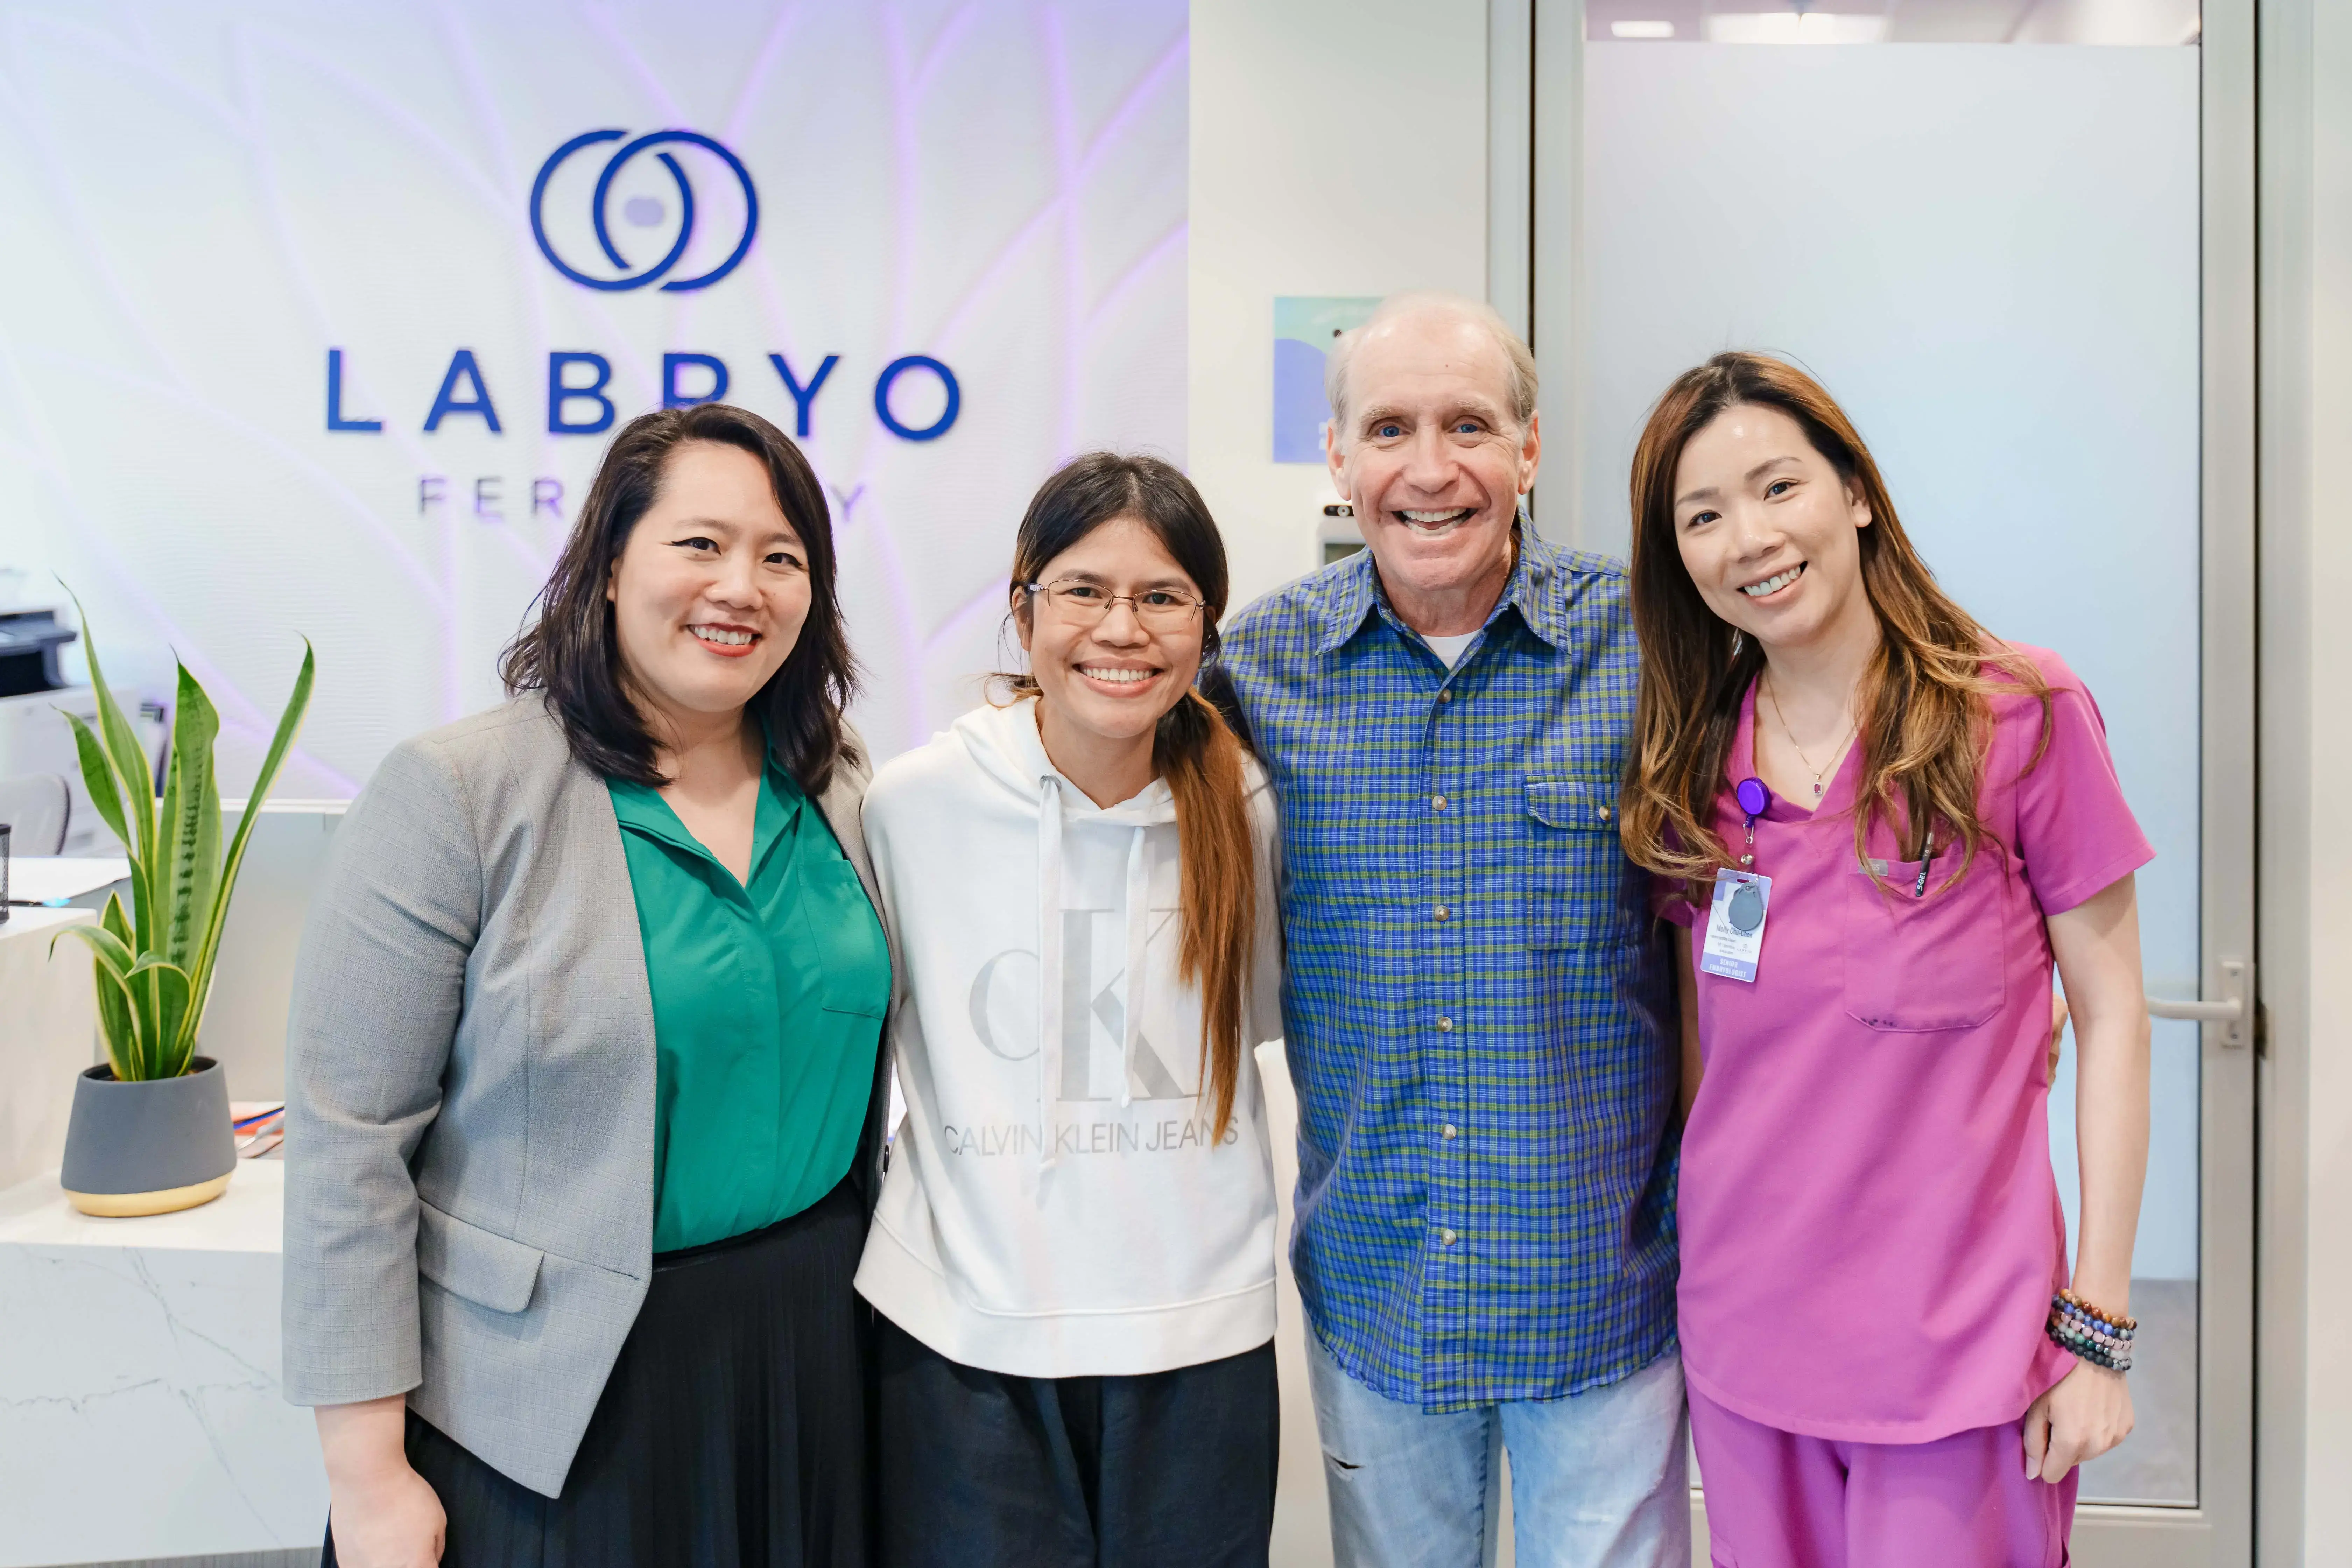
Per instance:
x=1138, y=932
x=1049, y=963
x=1053, y=989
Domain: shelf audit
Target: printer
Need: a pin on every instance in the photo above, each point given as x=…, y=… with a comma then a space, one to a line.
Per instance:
x=29, y=641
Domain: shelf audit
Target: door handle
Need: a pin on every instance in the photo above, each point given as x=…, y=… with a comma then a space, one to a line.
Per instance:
x=2232, y=1011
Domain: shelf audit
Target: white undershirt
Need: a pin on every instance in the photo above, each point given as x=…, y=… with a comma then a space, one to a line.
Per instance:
x=1448, y=648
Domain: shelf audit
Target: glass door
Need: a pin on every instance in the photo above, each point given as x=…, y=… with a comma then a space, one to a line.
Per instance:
x=2009, y=237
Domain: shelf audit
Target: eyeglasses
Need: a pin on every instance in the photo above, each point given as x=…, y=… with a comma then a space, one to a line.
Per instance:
x=1083, y=603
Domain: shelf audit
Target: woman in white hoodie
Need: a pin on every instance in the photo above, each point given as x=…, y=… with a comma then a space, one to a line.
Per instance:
x=1074, y=1254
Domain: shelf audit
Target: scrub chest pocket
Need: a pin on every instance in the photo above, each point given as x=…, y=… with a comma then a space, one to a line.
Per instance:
x=1922, y=964
x=1576, y=872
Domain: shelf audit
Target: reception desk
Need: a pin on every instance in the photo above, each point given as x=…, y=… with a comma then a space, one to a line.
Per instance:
x=48, y=1032
x=141, y=1413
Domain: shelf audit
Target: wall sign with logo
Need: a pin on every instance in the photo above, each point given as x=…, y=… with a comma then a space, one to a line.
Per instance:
x=318, y=321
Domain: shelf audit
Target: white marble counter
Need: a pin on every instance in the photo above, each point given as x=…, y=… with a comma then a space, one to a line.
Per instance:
x=141, y=1415
x=48, y=1032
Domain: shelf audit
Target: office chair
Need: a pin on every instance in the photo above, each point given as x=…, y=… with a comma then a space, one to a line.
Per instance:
x=38, y=808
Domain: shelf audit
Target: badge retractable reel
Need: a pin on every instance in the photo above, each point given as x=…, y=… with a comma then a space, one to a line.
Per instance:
x=1755, y=799
x=1734, y=920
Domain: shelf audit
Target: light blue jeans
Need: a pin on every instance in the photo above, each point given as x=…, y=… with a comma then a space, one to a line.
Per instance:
x=1600, y=1480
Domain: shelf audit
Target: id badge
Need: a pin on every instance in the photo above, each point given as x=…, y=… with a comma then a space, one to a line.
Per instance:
x=1735, y=924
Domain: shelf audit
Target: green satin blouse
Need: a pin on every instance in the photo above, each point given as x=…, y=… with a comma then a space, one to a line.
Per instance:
x=768, y=1002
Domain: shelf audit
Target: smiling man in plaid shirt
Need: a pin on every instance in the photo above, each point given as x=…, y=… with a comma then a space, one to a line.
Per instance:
x=1478, y=1019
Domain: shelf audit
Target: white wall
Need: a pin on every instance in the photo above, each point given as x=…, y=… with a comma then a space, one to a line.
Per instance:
x=2305, y=1388
x=1303, y=183
x=1338, y=147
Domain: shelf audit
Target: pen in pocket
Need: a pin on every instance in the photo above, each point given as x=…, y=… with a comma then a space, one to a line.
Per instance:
x=1926, y=857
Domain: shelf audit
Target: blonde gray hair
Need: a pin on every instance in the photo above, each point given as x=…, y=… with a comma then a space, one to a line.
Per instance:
x=1436, y=301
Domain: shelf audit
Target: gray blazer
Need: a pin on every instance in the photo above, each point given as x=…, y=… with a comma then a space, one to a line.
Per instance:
x=470, y=1094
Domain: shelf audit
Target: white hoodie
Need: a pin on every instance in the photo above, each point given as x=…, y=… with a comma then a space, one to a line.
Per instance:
x=1055, y=1207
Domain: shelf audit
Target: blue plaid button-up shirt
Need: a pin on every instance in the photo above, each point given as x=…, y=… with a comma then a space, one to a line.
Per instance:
x=1479, y=1021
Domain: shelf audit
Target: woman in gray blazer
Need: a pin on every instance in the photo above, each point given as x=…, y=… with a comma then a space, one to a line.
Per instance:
x=585, y=1074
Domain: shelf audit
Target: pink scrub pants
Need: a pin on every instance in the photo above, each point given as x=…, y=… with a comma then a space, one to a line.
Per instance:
x=1775, y=1499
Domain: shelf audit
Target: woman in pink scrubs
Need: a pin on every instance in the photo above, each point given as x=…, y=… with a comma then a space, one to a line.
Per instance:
x=1881, y=824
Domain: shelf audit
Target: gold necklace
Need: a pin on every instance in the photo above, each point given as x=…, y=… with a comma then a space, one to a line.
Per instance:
x=1836, y=754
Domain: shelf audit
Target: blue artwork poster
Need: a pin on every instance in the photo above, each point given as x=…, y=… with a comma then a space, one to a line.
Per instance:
x=1304, y=326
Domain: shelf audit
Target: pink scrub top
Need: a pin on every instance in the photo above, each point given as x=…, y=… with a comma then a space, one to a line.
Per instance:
x=1870, y=1226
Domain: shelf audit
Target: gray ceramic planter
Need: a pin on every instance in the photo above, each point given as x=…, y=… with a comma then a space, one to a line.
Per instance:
x=149, y=1147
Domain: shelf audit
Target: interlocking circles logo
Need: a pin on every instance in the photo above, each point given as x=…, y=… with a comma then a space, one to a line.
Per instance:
x=663, y=211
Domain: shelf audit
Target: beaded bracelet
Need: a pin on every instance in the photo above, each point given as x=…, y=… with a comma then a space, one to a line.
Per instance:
x=2089, y=1334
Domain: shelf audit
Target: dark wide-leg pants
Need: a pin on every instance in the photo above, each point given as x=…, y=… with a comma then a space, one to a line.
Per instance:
x=983, y=1469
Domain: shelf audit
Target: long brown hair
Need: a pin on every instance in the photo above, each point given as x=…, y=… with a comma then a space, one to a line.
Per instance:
x=1194, y=749
x=572, y=653
x=1924, y=700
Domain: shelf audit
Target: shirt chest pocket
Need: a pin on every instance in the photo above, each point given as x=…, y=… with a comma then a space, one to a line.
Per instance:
x=1575, y=869
x=1921, y=964
x=845, y=936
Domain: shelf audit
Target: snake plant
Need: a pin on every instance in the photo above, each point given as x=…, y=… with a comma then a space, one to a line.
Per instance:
x=155, y=959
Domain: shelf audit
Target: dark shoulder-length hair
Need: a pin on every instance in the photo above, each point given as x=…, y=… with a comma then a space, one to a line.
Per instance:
x=572, y=653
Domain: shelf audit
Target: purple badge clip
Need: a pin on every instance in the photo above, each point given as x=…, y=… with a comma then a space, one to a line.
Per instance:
x=1753, y=797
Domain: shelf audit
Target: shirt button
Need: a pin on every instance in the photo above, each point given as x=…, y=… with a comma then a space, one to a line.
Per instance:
x=1445, y=1026
x=1442, y=912
x=1437, y=801
x=1604, y=814
x=1445, y=697
x=1444, y=1238
x=1450, y=1131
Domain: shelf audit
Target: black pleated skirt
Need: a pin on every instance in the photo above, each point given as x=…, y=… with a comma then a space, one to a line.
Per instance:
x=733, y=1431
